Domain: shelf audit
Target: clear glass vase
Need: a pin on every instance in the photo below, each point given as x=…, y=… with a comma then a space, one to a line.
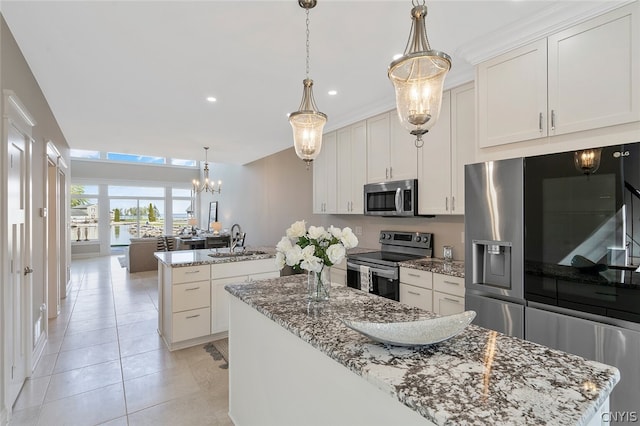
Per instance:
x=319, y=285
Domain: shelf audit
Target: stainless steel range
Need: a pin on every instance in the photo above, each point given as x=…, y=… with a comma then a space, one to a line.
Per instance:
x=378, y=272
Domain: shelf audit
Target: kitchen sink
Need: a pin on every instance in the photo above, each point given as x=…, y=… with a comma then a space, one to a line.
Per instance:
x=238, y=253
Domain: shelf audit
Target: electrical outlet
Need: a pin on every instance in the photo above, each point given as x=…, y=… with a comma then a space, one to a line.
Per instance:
x=358, y=230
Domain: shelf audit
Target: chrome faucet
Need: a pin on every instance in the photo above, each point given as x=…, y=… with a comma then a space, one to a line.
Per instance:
x=236, y=236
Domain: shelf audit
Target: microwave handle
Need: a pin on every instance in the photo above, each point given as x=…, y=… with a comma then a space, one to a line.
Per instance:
x=399, y=200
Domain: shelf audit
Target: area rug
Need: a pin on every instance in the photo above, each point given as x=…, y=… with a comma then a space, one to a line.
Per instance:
x=219, y=350
x=123, y=261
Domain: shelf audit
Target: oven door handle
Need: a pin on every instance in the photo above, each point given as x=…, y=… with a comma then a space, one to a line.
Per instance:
x=384, y=273
x=399, y=200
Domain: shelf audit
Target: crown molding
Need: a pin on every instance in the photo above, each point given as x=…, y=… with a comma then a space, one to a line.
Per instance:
x=555, y=18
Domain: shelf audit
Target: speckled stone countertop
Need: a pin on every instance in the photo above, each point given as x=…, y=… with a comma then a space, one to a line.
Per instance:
x=478, y=377
x=181, y=258
x=455, y=268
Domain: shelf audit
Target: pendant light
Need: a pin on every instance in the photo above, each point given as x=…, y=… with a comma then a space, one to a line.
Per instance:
x=418, y=78
x=307, y=122
x=587, y=161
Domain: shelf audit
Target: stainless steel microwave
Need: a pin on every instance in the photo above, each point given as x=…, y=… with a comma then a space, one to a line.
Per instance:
x=397, y=198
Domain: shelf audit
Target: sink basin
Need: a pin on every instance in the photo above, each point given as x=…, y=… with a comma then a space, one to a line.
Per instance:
x=237, y=254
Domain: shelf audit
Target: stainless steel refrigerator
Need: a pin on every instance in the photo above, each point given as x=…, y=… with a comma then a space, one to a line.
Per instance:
x=494, y=244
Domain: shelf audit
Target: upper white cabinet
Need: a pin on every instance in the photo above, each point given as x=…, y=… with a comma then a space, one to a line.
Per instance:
x=324, y=176
x=351, y=168
x=585, y=77
x=391, y=154
x=448, y=146
x=512, y=96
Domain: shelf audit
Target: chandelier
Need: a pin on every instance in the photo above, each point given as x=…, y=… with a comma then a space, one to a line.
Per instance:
x=207, y=185
x=307, y=122
x=418, y=78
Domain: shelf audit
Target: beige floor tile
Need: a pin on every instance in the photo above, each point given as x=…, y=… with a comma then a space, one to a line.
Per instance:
x=137, y=316
x=120, y=421
x=136, y=345
x=32, y=393
x=89, y=408
x=152, y=389
x=193, y=354
x=191, y=409
x=52, y=346
x=91, y=324
x=150, y=362
x=137, y=329
x=78, y=358
x=125, y=308
x=89, y=338
x=45, y=365
x=25, y=417
x=83, y=379
x=211, y=378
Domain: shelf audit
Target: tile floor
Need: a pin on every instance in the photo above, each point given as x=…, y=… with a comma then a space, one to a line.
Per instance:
x=105, y=363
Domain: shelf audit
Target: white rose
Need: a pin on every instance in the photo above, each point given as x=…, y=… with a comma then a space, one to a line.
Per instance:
x=280, y=260
x=348, y=238
x=297, y=230
x=336, y=253
x=293, y=255
x=336, y=232
x=317, y=233
x=313, y=264
x=284, y=245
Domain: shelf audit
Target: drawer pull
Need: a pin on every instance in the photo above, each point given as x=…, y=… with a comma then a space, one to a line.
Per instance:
x=191, y=289
x=413, y=292
x=451, y=282
x=193, y=316
x=193, y=272
x=451, y=300
x=413, y=275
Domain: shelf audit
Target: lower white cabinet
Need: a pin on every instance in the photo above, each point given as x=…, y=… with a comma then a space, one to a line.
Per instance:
x=448, y=294
x=234, y=273
x=439, y=293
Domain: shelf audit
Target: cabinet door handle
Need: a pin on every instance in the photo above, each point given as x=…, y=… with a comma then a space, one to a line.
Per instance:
x=193, y=272
x=413, y=275
x=446, y=204
x=386, y=173
x=193, y=316
x=191, y=289
x=390, y=172
x=451, y=300
x=540, y=122
x=553, y=119
x=413, y=292
x=453, y=204
x=451, y=283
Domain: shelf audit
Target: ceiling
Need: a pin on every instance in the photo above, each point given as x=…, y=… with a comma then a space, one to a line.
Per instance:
x=133, y=76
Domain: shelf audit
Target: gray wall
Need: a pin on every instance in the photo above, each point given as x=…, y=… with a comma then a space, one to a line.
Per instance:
x=15, y=75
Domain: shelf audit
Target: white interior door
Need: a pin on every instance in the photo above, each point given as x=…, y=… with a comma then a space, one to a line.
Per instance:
x=19, y=256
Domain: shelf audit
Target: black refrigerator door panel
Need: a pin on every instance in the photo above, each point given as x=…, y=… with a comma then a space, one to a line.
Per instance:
x=505, y=317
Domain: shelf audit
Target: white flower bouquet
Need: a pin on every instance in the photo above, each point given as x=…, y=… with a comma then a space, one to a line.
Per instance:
x=312, y=249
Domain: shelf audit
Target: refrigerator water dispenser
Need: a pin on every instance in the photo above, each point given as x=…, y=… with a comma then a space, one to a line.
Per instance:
x=492, y=263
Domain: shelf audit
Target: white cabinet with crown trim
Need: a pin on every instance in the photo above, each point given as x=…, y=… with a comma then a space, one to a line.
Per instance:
x=351, y=168
x=557, y=85
x=391, y=153
x=324, y=176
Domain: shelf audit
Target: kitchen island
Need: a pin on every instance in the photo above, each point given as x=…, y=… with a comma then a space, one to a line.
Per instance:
x=193, y=307
x=291, y=363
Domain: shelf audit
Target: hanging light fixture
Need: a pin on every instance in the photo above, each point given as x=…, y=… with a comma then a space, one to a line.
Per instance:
x=307, y=122
x=418, y=78
x=587, y=161
x=207, y=185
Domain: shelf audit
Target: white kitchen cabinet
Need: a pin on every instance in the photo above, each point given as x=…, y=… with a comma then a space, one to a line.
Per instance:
x=234, y=273
x=434, y=164
x=463, y=139
x=391, y=153
x=583, y=78
x=448, y=294
x=351, y=168
x=324, y=176
x=186, y=310
x=416, y=288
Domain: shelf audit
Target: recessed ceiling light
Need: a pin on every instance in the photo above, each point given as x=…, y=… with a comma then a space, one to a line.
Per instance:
x=211, y=99
x=333, y=92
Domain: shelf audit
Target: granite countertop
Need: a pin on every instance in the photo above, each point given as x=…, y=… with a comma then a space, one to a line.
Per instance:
x=477, y=377
x=454, y=268
x=181, y=258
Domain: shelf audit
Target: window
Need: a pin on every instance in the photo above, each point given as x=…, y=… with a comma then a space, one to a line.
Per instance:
x=84, y=213
x=132, y=158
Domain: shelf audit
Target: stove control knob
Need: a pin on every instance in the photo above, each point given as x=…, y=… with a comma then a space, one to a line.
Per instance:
x=387, y=236
x=418, y=239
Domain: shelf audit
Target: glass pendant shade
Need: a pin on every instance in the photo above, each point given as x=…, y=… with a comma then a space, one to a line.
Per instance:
x=587, y=161
x=418, y=78
x=307, y=124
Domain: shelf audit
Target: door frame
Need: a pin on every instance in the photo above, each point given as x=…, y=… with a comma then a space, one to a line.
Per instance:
x=16, y=115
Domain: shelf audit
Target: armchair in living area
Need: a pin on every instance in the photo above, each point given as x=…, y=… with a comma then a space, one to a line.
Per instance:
x=140, y=252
